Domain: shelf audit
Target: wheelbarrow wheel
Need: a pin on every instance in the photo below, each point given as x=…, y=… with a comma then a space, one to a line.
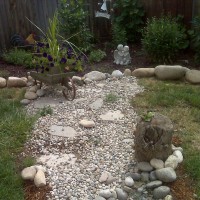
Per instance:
x=69, y=90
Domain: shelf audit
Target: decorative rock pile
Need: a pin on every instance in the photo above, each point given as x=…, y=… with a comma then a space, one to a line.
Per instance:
x=168, y=72
x=96, y=161
x=36, y=174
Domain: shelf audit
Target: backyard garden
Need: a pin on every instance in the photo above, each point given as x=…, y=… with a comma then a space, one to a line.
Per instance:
x=96, y=157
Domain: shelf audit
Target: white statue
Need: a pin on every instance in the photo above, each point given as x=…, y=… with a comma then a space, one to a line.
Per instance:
x=122, y=55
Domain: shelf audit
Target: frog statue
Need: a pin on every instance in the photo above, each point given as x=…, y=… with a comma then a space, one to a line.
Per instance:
x=122, y=55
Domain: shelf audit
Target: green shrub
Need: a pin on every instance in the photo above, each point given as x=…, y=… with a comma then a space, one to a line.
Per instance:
x=47, y=110
x=118, y=35
x=73, y=25
x=97, y=55
x=110, y=98
x=4, y=73
x=163, y=38
x=195, y=37
x=128, y=15
x=19, y=57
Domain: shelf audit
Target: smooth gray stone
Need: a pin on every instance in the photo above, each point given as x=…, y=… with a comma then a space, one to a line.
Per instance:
x=105, y=193
x=161, y=192
x=99, y=198
x=145, y=176
x=25, y=101
x=121, y=195
x=166, y=174
x=153, y=184
x=152, y=176
x=145, y=166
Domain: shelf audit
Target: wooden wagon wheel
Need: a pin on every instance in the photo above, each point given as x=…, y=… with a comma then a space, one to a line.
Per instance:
x=69, y=90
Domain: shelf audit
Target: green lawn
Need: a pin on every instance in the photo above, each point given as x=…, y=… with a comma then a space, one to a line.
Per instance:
x=181, y=103
x=15, y=126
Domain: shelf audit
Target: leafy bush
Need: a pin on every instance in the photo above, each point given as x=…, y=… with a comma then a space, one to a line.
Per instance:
x=19, y=57
x=195, y=37
x=73, y=25
x=118, y=35
x=111, y=98
x=97, y=55
x=163, y=38
x=128, y=15
x=47, y=110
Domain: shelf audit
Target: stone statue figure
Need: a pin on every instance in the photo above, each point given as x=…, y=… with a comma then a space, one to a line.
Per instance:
x=122, y=55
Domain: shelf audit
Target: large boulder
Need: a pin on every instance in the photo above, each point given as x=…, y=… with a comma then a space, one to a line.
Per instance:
x=193, y=76
x=143, y=72
x=168, y=72
x=16, y=82
x=95, y=76
x=2, y=82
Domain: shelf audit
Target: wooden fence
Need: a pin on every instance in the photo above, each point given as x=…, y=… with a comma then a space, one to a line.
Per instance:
x=174, y=7
x=13, y=15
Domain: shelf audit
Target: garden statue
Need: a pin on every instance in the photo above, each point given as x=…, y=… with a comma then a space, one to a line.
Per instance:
x=122, y=55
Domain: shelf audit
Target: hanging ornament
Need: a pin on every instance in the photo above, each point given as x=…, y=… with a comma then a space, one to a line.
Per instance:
x=103, y=11
x=104, y=6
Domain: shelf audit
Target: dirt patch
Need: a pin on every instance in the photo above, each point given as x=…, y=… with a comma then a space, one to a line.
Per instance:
x=34, y=193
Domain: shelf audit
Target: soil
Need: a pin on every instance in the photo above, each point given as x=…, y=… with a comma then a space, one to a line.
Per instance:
x=182, y=188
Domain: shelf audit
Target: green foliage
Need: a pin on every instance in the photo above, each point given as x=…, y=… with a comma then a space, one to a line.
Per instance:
x=4, y=73
x=73, y=25
x=47, y=110
x=128, y=16
x=110, y=98
x=56, y=55
x=28, y=161
x=19, y=57
x=163, y=38
x=118, y=35
x=195, y=37
x=15, y=125
x=148, y=116
x=97, y=55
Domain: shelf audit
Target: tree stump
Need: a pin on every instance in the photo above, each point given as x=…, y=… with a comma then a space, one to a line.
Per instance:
x=153, y=139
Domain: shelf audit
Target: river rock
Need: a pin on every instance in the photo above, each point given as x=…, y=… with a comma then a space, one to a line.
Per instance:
x=28, y=173
x=193, y=76
x=95, y=76
x=105, y=193
x=179, y=155
x=168, y=72
x=152, y=176
x=144, y=72
x=87, y=81
x=99, y=198
x=168, y=197
x=2, y=82
x=172, y=161
x=40, y=93
x=145, y=176
x=117, y=74
x=104, y=176
x=135, y=176
x=30, y=95
x=144, y=166
x=86, y=123
x=166, y=174
x=110, y=179
x=33, y=88
x=174, y=148
x=161, y=192
x=129, y=181
x=153, y=184
x=157, y=163
x=40, y=179
x=25, y=101
x=121, y=195
x=127, y=72
x=128, y=189
x=15, y=82
x=78, y=80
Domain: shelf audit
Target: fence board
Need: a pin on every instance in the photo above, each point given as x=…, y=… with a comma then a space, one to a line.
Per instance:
x=13, y=15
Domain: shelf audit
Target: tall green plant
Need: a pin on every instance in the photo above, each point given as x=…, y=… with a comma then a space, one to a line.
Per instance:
x=73, y=20
x=163, y=38
x=128, y=15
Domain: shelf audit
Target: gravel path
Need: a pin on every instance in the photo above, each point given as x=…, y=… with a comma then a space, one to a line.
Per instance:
x=74, y=165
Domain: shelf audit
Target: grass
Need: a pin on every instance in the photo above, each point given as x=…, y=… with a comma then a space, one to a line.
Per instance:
x=15, y=126
x=181, y=103
x=111, y=98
